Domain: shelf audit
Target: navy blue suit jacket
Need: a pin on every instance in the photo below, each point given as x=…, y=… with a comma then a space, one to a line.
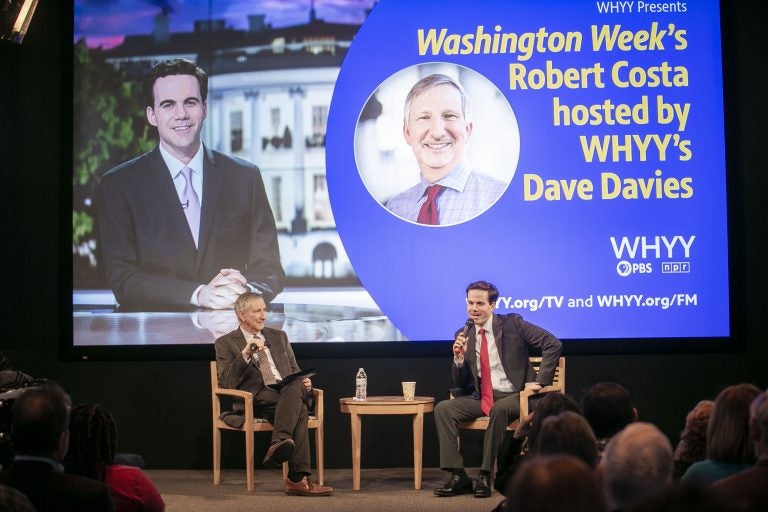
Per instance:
x=514, y=340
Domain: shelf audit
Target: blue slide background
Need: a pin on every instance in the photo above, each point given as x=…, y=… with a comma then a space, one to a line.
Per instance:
x=541, y=248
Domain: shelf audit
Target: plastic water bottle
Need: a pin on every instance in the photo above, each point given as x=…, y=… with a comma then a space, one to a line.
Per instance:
x=361, y=385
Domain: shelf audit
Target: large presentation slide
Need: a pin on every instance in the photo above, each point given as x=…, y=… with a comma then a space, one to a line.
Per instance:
x=569, y=151
x=604, y=119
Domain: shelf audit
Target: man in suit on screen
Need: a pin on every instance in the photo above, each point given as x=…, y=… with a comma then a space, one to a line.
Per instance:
x=184, y=225
x=251, y=358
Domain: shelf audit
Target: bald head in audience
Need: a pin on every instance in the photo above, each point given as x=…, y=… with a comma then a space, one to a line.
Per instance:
x=636, y=463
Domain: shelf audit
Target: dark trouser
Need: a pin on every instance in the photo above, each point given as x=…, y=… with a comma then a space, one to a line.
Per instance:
x=449, y=413
x=288, y=416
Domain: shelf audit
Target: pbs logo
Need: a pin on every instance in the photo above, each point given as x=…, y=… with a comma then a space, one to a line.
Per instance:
x=625, y=268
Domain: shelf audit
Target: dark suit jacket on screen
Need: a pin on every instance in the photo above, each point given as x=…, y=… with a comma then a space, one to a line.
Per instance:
x=147, y=250
x=50, y=490
x=514, y=337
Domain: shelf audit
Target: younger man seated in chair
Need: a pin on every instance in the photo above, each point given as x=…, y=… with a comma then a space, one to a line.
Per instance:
x=490, y=366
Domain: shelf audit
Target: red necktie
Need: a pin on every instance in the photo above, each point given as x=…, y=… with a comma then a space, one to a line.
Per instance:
x=486, y=385
x=428, y=212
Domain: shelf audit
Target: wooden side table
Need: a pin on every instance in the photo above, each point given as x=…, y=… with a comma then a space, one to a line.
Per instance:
x=388, y=405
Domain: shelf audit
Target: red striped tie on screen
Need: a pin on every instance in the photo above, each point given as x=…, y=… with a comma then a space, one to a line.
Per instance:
x=486, y=386
x=428, y=212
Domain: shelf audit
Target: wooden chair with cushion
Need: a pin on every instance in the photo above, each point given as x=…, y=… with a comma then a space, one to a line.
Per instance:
x=253, y=425
x=557, y=386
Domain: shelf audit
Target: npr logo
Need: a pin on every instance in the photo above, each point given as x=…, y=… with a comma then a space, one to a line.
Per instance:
x=675, y=267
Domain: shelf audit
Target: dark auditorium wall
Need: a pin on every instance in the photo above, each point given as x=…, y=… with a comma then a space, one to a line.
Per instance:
x=163, y=408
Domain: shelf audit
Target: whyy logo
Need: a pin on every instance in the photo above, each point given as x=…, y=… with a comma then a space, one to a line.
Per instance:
x=643, y=247
x=652, y=247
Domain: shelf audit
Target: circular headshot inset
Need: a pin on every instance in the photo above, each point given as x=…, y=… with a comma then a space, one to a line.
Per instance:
x=437, y=144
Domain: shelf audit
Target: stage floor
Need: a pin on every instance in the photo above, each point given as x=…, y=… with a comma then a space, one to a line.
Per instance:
x=381, y=490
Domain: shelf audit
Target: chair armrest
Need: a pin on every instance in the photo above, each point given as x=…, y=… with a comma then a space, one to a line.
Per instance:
x=526, y=394
x=233, y=392
x=319, y=403
x=247, y=397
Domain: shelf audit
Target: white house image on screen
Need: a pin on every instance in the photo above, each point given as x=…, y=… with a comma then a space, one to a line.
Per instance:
x=269, y=94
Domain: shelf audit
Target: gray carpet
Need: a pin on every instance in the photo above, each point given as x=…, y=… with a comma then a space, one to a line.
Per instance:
x=380, y=490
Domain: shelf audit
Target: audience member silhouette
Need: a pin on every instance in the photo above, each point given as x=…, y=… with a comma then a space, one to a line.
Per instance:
x=551, y=404
x=608, y=408
x=693, y=439
x=749, y=489
x=636, y=464
x=92, y=449
x=40, y=420
x=12, y=500
x=729, y=445
x=567, y=433
x=685, y=498
x=553, y=483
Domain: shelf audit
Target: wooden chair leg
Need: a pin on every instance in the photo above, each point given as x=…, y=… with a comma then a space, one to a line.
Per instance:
x=320, y=455
x=249, y=477
x=216, y=456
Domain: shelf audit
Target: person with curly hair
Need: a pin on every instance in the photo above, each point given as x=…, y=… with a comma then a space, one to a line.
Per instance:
x=92, y=449
x=693, y=439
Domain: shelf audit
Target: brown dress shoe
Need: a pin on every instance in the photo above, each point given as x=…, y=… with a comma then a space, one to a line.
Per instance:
x=306, y=488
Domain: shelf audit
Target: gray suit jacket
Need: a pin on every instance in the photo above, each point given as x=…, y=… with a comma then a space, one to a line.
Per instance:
x=514, y=337
x=235, y=373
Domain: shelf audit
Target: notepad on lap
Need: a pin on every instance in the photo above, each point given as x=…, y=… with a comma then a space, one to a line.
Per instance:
x=300, y=375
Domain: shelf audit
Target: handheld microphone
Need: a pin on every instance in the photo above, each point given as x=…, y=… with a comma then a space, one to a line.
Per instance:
x=467, y=326
x=255, y=347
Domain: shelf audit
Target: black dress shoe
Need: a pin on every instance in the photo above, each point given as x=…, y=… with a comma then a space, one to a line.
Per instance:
x=454, y=486
x=482, y=487
x=279, y=452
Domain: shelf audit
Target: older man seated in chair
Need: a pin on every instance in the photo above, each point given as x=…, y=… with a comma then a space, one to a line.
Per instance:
x=251, y=358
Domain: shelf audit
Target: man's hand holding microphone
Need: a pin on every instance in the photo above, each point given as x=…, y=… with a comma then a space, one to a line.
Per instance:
x=460, y=345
